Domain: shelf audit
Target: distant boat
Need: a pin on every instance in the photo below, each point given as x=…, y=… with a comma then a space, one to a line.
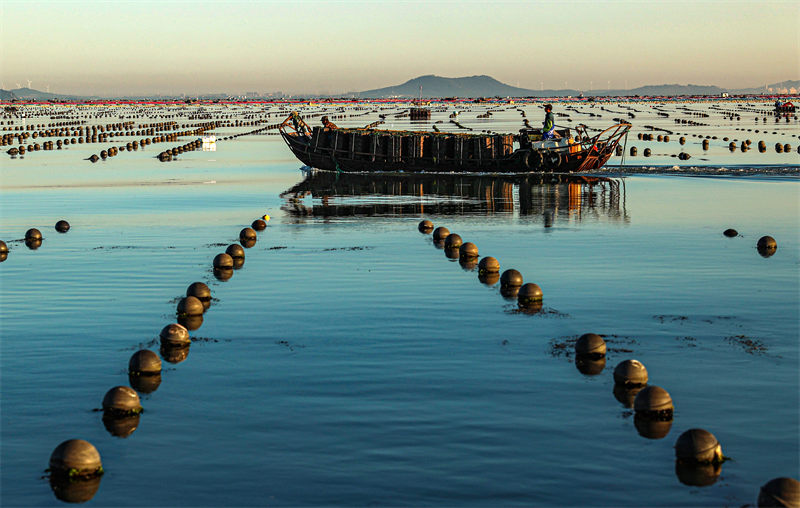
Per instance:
x=370, y=150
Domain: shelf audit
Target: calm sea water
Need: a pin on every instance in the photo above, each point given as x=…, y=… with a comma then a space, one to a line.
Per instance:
x=349, y=362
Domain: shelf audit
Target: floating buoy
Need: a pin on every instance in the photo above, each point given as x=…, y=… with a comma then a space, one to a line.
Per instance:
x=76, y=458
x=144, y=362
x=3, y=247
x=647, y=152
x=767, y=246
x=654, y=402
x=698, y=446
x=787, y=148
x=762, y=146
x=730, y=233
x=175, y=335
x=440, y=233
x=590, y=344
x=633, y=151
x=259, y=225
x=529, y=295
x=425, y=226
x=200, y=291
x=248, y=234
x=190, y=306
x=122, y=400
x=33, y=234
x=62, y=226
x=468, y=250
x=488, y=264
x=223, y=261
x=453, y=241
x=783, y=492
x=235, y=251
x=705, y=144
x=511, y=278
x=631, y=373
x=778, y=147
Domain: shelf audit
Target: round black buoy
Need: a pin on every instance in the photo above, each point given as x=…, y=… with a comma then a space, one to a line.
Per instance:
x=144, y=362
x=698, y=446
x=122, y=400
x=453, y=241
x=590, y=344
x=235, y=250
x=425, y=227
x=654, y=402
x=200, y=291
x=223, y=261
x=248, y=235
x=767, y=246
x=468, y=250
x=259, y=225
x=175, y=335
x=488, y=264
x=647, y=152
x=511, y=278
x=730, y=233
x=33, y=234
x=76, y=458
x=529, y=295
x=783, y=492
x=633, y=151
x=190, y=306
x=630, y=373
x=62, y=226
x=440, y=233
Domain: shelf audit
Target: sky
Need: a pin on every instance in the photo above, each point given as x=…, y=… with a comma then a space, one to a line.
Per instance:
x=146, y=47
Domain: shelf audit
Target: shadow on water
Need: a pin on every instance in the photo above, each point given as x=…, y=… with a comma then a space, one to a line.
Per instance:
x=551, y=196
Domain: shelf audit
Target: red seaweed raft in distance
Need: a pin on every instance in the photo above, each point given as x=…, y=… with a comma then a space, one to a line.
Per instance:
x=372, y=150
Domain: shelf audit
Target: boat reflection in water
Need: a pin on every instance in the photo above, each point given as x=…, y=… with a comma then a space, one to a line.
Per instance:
x=552, y=197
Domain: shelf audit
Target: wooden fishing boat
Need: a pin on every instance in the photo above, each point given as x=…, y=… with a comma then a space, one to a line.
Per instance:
x=370, y=150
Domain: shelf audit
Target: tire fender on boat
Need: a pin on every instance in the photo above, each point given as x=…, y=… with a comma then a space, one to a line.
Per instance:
x=533, y=160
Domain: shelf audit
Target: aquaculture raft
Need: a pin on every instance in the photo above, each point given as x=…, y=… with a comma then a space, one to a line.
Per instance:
x=373, y=150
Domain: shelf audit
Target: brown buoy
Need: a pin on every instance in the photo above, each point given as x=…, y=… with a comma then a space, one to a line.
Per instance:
x=33, y=234
x=425, y=227
x=468, y=250
x=259, y=225
x=200, y=291
x=144, y=362
x=488, y=264
x=122, y=400
x=630, y=373
x=440, y=233
x=62, y=226
x=784, y=492
x=248, y=235
x=590, y=344
x=175, y=335
x=766, y=246
x=453, y=241
x=529, y=295
x=730, y=233
x=511, y=278
x=698, y=446
x=76, y=458
x=654, y=402
x=223, y=261
x=235, y=251
x=190, y=306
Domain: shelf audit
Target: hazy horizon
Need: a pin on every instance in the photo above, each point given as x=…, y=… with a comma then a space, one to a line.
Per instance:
x=315, y=47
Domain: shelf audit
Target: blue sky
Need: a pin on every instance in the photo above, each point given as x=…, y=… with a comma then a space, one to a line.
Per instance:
x=171, y=46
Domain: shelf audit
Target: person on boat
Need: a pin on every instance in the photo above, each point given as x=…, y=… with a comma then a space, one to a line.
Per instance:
x=549, y=124
x=327, y=124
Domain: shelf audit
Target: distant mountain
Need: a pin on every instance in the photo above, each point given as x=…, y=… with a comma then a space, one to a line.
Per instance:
x=470, y=86
x=486, y=86
x=36, y=95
